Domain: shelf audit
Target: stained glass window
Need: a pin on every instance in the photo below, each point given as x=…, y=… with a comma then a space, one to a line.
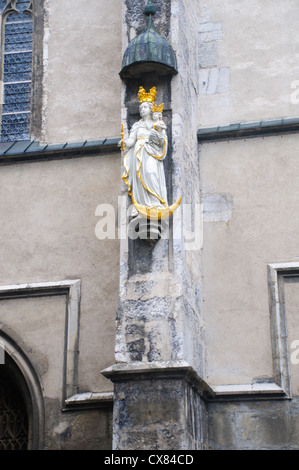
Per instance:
x=16, y=68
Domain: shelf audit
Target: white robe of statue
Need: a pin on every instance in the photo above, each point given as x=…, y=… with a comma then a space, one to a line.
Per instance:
x=143, y=162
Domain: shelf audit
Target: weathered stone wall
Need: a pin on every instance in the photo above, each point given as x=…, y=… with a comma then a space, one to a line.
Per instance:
x=158, y=406
x=186, y=261
x=145, y=293
x=159, y=295
x=37, y=70
x=137, y=22
x=151, y=415
x=259, y=425
x=78, y=430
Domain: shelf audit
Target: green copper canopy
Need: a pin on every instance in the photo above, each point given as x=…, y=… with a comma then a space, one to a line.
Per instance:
x=149, y=52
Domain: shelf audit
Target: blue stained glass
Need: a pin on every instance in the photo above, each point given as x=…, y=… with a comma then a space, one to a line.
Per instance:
x=18, y=76
x=17, y=119
x=16, y=97
x=16, y=107
x=17, y=28
x=23, y=5
x=15, y=127
x=19, y=46
x=12, y=89
x=17, y=67
x=17, y=37
x=18, y=59
x=2, y=5
x=17, y=17
x=17, y=103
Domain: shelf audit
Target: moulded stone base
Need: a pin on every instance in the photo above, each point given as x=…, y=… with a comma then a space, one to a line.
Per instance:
x=158, y=408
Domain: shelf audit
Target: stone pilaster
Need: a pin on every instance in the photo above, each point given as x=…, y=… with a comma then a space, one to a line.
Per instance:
x=159, y=349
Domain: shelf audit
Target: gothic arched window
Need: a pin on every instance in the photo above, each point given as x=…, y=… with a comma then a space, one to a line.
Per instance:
x=16, y=68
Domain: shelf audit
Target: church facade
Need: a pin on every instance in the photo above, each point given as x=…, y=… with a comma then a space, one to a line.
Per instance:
x=149, y=284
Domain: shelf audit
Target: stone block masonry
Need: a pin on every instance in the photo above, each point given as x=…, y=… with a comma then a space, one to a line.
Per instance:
x=212, y=79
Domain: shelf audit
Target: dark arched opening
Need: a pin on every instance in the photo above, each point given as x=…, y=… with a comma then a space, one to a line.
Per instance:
x=18, y=378
x=14, y=412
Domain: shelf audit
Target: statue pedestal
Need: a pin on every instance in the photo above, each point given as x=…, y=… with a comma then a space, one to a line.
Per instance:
x=145, y=229
x=149, y=229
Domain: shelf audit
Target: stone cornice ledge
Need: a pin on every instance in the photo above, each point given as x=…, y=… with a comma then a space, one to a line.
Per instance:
x=89, y=399
x=250, y=391
x=182, y=370
x=243, y=130
x=159, y=370
x=24, y=151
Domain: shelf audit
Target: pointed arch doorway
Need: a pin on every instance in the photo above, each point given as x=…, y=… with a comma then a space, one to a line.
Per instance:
x=14, y=422
x=21, y=400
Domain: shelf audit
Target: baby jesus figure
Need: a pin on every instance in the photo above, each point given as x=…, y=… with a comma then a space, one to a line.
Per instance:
x=159, y=127
x=159, y=124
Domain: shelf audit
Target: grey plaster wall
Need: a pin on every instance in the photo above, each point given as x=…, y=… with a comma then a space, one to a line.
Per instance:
x=48, y=236
x=258, y=224
x=81, y=60
x=246, y=73
x=248, y=60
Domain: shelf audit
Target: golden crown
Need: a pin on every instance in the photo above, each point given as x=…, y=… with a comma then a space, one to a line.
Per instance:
x=158, y=109
x=148, y=97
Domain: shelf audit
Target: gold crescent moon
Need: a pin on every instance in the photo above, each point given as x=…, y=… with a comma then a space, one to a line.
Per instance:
x=157, y=214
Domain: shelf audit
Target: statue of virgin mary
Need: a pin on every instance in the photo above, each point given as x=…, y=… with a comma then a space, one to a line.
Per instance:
x=144, y=170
